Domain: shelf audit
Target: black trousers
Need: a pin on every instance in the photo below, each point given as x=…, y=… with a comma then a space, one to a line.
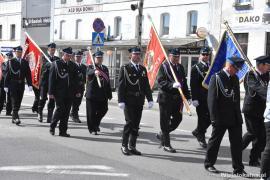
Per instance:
x=43, y=98
x=76, y=104
x=36, y=100
x=203, y=119
x=16, y=95
x=133, y=115
x=2, y=96
x=265, y=165
x=63, y=106
x=95, y=111
x=235, y=137
x=255, y=134
x=170, y=116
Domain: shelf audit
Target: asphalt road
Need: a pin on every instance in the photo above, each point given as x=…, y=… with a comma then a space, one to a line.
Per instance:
x=28, y=151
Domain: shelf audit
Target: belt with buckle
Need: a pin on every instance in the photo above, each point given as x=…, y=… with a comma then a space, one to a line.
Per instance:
x=137, y=94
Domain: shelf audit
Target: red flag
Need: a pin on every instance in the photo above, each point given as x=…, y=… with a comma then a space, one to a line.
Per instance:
x=1, y=61
x=89, y=59
x=33, y=54
x=154, y=56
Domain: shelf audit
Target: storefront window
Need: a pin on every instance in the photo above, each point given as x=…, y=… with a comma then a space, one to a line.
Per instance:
x=242, y=39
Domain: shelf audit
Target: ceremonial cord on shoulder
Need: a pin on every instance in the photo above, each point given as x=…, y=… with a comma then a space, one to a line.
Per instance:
x=12, y=70
x=129, y=80
x=220, y=86
x=61, y=76
x=199, y=71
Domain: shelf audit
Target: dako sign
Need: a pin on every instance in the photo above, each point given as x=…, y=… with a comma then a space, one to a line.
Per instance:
x=249, y=19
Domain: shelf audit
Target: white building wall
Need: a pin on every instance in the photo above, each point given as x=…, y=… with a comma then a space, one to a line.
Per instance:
x=107, y=12
x=10, y=13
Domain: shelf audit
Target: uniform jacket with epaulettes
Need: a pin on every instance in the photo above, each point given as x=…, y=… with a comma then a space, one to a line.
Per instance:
x=133, y=85
x=93, y=91
x=63, y=79
x=16, y=74
x=198, y=73
x=224, y=110
x=255, y=93
x=165, y=83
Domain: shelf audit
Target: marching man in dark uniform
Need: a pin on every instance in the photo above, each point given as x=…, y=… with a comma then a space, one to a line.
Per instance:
x=265, y=163
x=81, y=71
x=97, y=97
x=63, y=82
x=225, y=114
x=199, y=96
x=17, y=71
x=253, y=109
x=133, y=88
x=169, y=98
x=5, y=97
x=44, y=84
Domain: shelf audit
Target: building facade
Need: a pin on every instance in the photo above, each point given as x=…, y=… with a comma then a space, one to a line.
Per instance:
x=18, y=16
x=176, y=22
x=249, y=20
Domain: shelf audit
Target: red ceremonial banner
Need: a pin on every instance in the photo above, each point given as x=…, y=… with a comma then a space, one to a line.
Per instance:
x=89, y=59
x=33, y=55
x=154, y=57
x=1, y=61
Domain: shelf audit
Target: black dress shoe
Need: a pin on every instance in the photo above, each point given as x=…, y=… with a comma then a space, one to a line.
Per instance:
x=254, y=163
x=95, y=133
x=134, y=151
x=17, y=121
x=211, y=169
x=203, y=143
x=8, y=114
x=52, y=131
x=239, y=172
x=169, y=149
x=13, y=121
x=64, y=134
x=125, y=151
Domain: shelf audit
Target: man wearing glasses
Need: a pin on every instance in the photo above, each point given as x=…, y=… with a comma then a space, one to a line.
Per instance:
x=199, y=95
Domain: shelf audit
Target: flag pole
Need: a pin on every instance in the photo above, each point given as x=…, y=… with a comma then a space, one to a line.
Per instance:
x=173, y=73
x=38, y=47
x=94, y=66
x=229, y=30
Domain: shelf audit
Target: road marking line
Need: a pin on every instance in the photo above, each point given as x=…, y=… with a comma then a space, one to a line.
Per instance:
x=67, y=170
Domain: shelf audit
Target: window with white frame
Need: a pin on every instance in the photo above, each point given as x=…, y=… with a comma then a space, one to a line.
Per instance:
x=12, y=31
x=78, y=27
x=268, y=43
x=79, y=0
x=137, y=26
x=61, y=28
x=242, y=39
x=192, y=19
x=117, y=26
x=63, y=1
x=243, y=1
x=165, y=24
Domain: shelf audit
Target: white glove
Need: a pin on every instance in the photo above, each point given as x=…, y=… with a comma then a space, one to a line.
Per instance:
x=176, y=85
x=30, y=88
x=195, y=103
x=121, y=105
x=6, y=90
x=150, y=104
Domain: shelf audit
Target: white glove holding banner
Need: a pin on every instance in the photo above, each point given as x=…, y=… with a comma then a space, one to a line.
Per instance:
x=176, y=85
x=6, y=90
x=30, y=88
x=150, y=104
x=195, y=103
x=121, y=105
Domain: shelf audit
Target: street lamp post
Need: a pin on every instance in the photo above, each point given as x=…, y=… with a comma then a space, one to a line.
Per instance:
x=140, y=18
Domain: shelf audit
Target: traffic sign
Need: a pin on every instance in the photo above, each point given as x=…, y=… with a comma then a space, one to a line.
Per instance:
x=98, y=25
x=97, y=39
